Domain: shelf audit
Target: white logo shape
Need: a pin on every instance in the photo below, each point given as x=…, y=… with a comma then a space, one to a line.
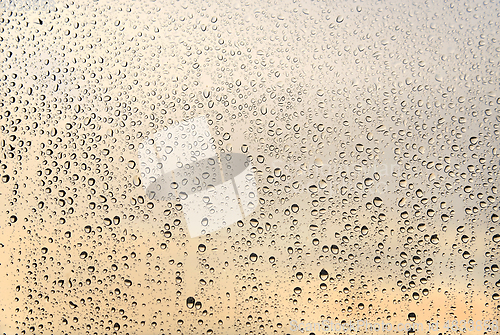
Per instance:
x=180, y=162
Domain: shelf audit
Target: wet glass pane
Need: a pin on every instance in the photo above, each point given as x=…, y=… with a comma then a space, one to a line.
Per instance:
x=258, y=167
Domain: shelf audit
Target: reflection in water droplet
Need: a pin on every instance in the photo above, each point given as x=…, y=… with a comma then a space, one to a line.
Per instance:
x=323, y=275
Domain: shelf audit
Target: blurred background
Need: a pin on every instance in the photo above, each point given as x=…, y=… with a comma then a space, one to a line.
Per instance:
x=371, y=130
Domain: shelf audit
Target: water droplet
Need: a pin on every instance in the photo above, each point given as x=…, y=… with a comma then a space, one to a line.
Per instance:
x=323, y=275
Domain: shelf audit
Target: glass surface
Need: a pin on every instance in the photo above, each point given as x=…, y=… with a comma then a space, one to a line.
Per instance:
x=258, y=167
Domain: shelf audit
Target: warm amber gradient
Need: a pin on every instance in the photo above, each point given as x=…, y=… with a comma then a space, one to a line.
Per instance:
x=330, y=94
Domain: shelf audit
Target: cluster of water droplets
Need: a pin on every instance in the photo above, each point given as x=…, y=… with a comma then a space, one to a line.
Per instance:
x=372, y=129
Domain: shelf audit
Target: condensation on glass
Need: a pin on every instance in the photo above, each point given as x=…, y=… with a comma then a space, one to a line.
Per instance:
x=248, y=167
